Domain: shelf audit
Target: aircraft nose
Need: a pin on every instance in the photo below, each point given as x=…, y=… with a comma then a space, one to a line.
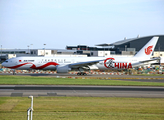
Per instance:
x=3, y=64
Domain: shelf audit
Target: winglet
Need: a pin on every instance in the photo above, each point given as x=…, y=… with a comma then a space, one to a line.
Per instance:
x=148, y=49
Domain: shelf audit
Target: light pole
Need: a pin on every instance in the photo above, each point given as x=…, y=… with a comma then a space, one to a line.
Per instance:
x=1, y=50
x=30, y=109
x=28, y=49
x=125, y=47
x=31, y=52
x=31, y=46
x=44, y=49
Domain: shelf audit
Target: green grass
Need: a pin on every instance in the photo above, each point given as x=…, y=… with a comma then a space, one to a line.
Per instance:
x=30, y=80
x=83, y=108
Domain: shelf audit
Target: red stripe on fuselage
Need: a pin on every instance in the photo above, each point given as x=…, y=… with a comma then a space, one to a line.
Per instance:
x=33, y=66
x=17, y=66
x=45, y=65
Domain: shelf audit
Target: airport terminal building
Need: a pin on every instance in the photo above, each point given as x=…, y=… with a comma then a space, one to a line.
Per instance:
x=123, y=47
x=135, y=44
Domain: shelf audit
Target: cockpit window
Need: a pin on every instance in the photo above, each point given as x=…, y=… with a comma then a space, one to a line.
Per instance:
x=6, y=61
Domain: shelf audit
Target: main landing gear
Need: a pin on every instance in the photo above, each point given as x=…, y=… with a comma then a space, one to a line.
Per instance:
x=81, y=70
x=81, y=73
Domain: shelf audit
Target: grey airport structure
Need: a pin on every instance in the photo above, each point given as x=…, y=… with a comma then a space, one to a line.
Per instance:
x=132, y=45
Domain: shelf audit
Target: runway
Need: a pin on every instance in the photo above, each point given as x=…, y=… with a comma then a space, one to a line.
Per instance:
x=81, y=91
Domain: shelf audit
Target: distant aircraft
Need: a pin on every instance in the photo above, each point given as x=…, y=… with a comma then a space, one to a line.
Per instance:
x=81, y=64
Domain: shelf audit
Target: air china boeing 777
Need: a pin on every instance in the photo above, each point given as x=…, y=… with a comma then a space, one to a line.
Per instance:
x=66, y=64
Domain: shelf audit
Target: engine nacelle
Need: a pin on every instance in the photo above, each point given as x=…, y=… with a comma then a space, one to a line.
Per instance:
x=63, y=68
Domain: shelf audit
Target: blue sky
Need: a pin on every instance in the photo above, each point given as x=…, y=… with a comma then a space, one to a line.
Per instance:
x=58, y=23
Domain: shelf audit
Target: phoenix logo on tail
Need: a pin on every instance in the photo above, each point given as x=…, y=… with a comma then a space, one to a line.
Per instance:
x=148, y=50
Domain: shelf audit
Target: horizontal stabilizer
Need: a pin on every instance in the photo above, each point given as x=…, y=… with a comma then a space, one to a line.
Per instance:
x=150, y=60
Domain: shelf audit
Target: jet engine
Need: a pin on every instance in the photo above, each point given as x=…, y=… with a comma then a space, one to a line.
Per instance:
x=63, y=68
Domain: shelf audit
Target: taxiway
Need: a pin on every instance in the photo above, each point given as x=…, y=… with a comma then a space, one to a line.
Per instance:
x=81, y=91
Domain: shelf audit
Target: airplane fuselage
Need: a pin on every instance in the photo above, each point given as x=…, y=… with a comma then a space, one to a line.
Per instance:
x=51, y=63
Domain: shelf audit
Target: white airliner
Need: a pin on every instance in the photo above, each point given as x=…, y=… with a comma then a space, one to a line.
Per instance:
x=66, y=64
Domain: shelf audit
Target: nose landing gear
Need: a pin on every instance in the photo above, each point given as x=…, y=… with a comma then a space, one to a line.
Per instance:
x=14, y=72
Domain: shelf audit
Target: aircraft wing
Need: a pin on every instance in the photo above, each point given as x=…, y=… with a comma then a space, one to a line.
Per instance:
x=82, y=64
